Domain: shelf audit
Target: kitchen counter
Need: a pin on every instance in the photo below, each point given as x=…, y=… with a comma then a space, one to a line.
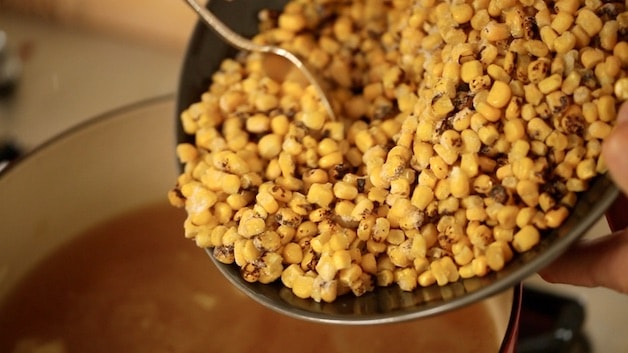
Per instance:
x=71, y=75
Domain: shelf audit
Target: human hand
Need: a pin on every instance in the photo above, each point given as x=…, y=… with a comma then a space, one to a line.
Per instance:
x=602, y=262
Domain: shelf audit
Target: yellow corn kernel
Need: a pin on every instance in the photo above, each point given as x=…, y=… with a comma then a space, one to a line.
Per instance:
x=526, y=238
x=554, y=218
x=488, y=134
x=470, y=70
x=292, y=253
x=480, y=266
x=507, y=216
x=459, y=183
x=564, y=43
x=368, y=262
x=562, y=21
x=320, y=194
x=330, y=160
x=550, y=84
x=499, y=95
x=576, y=185
x=599, y=130
x=621, y=89
x=345, y=191
x=385, y=278
x=528, y=190
x=426, y=279
x=462, y=253
x=606, y=108
x=498, y=254
x=303, y=286
x=290, y=274
x=582, y=38
x=548, y=36
x=589, y=21
x=495, y=31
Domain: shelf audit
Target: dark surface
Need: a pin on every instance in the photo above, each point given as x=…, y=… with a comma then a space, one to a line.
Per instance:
x=551, y=323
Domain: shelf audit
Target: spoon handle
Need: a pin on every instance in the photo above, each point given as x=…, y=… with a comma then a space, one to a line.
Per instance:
x=223, y=30
x=245, y=44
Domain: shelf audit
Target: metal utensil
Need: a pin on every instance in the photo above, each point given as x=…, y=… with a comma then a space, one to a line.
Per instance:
x=239, y=42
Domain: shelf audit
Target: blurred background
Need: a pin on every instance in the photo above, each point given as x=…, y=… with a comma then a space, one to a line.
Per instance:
x=62, y=61
x=65, y=61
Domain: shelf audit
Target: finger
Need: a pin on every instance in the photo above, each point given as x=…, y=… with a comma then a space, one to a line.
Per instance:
x=598, y=263
x=615, y=148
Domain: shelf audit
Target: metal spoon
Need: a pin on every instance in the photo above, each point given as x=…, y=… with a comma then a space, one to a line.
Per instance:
x=239, y=42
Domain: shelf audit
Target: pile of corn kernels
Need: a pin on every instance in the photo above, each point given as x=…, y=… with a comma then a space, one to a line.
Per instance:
x=465, y=131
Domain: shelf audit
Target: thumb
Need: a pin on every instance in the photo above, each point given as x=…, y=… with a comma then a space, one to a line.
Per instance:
x=615, y=150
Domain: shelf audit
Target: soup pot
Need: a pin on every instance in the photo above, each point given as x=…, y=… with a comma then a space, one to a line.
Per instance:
x=114, y=165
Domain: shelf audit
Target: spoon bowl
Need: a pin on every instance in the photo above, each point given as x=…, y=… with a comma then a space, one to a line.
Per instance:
x=274, y=68
x=385, y=305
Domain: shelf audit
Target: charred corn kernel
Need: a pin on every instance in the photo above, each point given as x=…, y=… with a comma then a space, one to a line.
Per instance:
x=380, y=230
x=538, y=129
x=526, y=238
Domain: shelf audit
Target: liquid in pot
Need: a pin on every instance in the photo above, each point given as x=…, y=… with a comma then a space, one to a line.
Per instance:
x=134, y=284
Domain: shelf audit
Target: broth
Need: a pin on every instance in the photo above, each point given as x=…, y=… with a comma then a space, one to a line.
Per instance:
x=134, y=284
